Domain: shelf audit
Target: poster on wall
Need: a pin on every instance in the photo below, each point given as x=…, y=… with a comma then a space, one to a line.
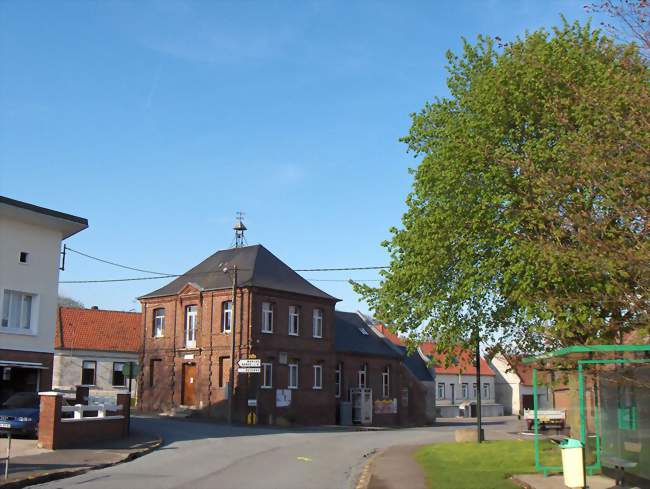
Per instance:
x=385, y=406
x=282, y=397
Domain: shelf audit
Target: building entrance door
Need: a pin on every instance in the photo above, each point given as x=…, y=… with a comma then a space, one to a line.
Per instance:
x=361, y=405
x=188, y=395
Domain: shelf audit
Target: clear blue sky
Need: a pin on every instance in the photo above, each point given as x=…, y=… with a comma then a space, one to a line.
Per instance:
x=157, y=121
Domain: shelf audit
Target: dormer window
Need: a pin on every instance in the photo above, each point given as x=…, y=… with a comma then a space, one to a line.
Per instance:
x=23, y=257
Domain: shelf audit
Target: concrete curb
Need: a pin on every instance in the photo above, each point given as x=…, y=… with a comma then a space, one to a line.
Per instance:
x=366, y=473
x=520, y=483
x=65, y=473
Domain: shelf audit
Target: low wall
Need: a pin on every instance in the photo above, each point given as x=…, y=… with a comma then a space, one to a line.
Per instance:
x=55, y=431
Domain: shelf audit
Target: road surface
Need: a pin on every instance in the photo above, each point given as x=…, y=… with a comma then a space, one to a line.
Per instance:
x=198, y=455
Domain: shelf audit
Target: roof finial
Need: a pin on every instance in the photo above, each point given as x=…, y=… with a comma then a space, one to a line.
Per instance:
x=239, y=228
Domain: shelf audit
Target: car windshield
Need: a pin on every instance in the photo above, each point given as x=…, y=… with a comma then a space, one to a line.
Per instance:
x=21, y=400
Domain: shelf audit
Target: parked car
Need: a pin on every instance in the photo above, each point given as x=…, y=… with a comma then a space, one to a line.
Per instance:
x=20, y=413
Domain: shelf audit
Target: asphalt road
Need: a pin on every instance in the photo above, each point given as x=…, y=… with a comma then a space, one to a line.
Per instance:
x=197, y=455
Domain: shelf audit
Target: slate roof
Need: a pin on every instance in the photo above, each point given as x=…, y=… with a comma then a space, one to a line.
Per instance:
x=97, y=329
x=258, y=267
x=350, y=339
x=417, y=365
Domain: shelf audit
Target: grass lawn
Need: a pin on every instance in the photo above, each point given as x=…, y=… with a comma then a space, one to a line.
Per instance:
x=485, y=466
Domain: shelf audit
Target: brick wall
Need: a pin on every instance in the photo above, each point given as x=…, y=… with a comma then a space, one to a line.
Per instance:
x=56, y=433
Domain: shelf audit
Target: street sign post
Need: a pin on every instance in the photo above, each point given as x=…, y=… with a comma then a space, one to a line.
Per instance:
x=250, y=363
x=249, y=370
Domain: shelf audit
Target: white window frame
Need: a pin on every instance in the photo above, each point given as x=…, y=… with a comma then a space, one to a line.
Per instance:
x=362, y=374
x=158, y=326
x=443, y=386
x=94, y=369
x=190, y=326
x=267, y=375
x=293, y=367
x=294, y=314
x=464, y=387
x=385, y=383
x=27, y=313
x=486, y=390
x=338, y=379
x=226, y=312
x=318, y=377
x=317, y=323
x=121, y=369
x=267, y=317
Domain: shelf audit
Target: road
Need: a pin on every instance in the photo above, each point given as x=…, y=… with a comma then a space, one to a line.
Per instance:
x=197, y=455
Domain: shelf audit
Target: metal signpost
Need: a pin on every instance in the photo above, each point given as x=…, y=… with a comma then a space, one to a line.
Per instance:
x=249, y=366
x=6, y=459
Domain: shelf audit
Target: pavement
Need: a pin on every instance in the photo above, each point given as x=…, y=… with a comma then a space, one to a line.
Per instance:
x=30, y=464
x=538, y=481
x=201, y=454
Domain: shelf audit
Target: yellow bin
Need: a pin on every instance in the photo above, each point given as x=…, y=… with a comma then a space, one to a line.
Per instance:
x=573, y=465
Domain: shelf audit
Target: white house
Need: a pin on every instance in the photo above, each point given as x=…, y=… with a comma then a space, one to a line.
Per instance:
x=30, y=246
x=514, y=386
x=92, y=349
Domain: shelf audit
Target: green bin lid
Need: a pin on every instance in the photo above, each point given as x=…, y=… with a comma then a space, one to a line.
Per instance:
x=571, y=443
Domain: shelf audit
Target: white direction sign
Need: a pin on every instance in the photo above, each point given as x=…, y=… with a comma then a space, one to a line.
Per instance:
x=250, y=362
x=249, y=370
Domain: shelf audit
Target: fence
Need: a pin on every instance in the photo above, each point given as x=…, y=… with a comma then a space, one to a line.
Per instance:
x=62, y=426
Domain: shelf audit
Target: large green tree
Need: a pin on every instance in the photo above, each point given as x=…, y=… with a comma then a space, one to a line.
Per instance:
x=528, y=218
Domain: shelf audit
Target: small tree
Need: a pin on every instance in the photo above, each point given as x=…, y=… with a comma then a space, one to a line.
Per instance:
x=528, y=217
x=65, y=301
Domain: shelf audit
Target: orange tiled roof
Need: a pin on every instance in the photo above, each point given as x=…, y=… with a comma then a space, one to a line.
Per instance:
x=465, y=364
x=97, y=329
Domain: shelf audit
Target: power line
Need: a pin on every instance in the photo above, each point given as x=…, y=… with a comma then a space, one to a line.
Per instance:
x=174, y=275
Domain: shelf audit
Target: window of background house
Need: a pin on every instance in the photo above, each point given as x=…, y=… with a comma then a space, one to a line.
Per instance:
x=474, y=390
x=486, y=391
x=267, y=375
x=339, y=379
x=294, y=320
x=23, y=257
x=17, y=310
x=317, y=323
x=441, y=390
x=88, y=369
x=267, y=317
x=158, y=322
x=318, y=377
x=226, y=317
x=119, y=380
x=385, y=383
x=190, y=326
x=465, y=389
x=362, y=376
x=293, y=376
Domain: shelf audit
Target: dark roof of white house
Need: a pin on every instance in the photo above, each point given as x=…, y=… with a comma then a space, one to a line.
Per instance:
x=257, y=267
x=353, y=335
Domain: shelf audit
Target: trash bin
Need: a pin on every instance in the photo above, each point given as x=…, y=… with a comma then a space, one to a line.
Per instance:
x=573, y=463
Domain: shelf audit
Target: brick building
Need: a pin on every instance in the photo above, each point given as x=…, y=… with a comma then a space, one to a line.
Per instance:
x=280, y=318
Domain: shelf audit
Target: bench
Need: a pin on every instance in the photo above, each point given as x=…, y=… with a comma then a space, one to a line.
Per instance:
x=619, y=465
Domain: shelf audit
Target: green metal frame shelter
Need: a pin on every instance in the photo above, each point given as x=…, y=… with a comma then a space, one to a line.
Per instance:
x=577, y=358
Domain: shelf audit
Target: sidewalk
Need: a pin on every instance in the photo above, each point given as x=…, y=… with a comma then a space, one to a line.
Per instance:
x=396, y=468
x=35, y=465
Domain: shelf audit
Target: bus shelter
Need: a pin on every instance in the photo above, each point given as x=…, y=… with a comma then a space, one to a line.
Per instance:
x=605, y=390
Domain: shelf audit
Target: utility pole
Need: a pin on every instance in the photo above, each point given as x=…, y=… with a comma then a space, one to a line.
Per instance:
x=479, y=427
x=233, y=316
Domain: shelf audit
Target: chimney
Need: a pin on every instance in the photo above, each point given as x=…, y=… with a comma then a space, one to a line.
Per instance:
x=96, y=308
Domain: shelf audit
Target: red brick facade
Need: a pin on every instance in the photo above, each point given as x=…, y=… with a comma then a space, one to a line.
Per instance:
x=166, y=358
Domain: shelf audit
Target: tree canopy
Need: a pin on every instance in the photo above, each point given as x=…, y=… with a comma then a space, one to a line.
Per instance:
x=529, y=209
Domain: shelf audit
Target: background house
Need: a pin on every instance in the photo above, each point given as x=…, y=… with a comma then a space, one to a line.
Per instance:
x=30, y=247
x=514, y=386
x=92, y=347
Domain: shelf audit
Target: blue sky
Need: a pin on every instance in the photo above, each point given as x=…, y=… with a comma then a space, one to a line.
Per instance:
x=157, y=121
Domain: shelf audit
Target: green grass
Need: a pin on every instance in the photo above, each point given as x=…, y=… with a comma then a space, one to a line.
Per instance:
x=485, y=466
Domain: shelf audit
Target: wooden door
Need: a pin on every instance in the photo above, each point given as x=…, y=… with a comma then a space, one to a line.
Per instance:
x=188, y=396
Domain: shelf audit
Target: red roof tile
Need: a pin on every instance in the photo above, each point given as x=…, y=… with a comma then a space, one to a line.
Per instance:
x=97, y=329
x=465, y=364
